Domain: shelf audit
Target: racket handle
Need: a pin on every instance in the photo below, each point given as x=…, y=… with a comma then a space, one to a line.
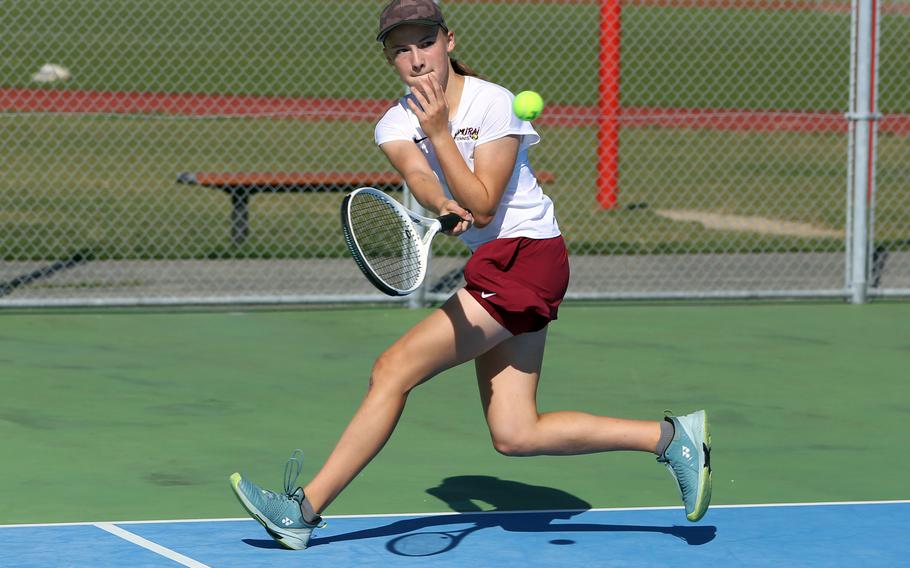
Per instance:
x=449, y=221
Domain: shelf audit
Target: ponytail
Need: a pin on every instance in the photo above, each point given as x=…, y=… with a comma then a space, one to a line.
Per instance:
x=463, y=69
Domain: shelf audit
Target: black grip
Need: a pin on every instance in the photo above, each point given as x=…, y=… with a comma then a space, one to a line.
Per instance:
x=449, y=221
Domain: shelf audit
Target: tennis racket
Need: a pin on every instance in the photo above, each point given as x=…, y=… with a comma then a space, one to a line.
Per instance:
x=385, y=239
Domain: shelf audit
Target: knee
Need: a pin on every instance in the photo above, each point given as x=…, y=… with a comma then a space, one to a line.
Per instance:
x=390, y=375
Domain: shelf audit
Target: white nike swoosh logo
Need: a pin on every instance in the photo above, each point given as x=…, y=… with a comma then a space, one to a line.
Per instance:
x=487, y=294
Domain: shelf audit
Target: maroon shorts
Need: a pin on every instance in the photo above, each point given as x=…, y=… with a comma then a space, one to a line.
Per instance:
x=519, y=281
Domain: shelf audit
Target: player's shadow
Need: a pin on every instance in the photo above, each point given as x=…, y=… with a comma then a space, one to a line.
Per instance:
x=426, y=536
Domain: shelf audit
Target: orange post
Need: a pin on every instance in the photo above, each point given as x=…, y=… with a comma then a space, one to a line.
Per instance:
x=608, y=103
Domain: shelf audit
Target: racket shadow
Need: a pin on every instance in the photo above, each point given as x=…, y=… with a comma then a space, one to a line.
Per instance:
x=437, y=534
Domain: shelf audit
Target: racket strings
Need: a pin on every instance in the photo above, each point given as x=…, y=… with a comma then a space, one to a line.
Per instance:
x=388, y=242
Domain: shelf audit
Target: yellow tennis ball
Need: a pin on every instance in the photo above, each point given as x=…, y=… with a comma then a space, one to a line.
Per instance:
x=527, y=105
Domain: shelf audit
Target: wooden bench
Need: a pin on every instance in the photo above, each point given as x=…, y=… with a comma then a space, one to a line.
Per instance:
x=241, y=186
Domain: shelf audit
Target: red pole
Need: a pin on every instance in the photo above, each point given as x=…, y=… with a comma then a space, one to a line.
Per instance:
x=608, y=104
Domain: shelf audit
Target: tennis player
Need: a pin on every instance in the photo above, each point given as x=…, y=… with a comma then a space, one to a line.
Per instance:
x=457, y=143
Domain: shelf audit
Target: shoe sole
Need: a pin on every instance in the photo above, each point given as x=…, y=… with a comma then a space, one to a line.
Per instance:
x=703, y=497
x=274, y=530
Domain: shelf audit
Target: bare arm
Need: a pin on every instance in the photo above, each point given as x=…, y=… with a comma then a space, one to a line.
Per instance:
x=480, y=190
x=414, y=168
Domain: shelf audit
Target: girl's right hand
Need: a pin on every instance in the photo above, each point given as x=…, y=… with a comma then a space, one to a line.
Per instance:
x=451, y=206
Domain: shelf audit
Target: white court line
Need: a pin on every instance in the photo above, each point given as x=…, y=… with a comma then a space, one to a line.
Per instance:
x=147, y=544
x=538, y=511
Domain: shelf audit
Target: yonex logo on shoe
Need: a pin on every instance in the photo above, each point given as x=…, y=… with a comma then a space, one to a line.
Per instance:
x=686, y=453
x=287, y=522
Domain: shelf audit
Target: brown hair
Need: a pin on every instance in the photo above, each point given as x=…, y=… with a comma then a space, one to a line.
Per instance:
x=463, y=69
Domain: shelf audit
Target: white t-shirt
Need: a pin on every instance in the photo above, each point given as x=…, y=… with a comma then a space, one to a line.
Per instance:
x=484, y=114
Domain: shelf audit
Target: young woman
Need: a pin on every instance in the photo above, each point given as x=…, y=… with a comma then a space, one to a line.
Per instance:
x=461, y=150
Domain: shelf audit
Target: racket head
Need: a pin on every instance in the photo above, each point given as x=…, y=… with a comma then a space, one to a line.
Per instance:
x=423, y=543
x=383, y=239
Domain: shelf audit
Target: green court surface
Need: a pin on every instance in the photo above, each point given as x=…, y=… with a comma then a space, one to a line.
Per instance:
x=122, y=415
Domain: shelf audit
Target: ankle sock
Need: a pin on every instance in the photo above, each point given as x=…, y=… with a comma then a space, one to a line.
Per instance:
x=667, y=430
x=309, y=515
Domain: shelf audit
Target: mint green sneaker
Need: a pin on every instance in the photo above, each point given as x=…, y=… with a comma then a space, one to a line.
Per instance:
x=279, y=513
x=688, y=457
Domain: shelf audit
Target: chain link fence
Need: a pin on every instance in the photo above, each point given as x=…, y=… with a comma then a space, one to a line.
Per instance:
x=890, y=273
x=197, y=151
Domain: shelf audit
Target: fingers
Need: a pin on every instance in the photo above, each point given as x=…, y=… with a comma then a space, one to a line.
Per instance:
x=428, y=87
x=433, y=90
x=429, y=104
x=420, y=103
x=428, y=93
x=420, y=107
x=451, y=206
x=416, y=107
x=468, y=220
x=461, y=227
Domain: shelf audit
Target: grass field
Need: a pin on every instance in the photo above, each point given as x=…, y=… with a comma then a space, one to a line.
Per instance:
x=682, y=57
x=129, y=207
x=107, y=183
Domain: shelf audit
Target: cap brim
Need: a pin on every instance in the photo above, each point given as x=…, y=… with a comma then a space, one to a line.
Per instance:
x=389, y=29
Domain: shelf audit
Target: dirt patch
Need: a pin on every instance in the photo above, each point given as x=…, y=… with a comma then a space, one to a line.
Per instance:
x=751, y=224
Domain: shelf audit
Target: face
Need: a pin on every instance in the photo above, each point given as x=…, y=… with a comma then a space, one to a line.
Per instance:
x=416, y=50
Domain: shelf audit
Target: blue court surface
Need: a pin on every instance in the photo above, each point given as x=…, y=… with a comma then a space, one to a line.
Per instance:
x=831, y=534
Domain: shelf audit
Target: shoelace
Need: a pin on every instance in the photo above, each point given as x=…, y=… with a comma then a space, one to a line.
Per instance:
x=292, y=470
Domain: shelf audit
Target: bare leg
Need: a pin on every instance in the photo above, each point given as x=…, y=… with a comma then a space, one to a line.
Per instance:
x=458, y=332
x=507, y=376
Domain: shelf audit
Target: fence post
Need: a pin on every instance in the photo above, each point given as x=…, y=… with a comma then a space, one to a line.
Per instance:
x=863, y=130
x=608, y=104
